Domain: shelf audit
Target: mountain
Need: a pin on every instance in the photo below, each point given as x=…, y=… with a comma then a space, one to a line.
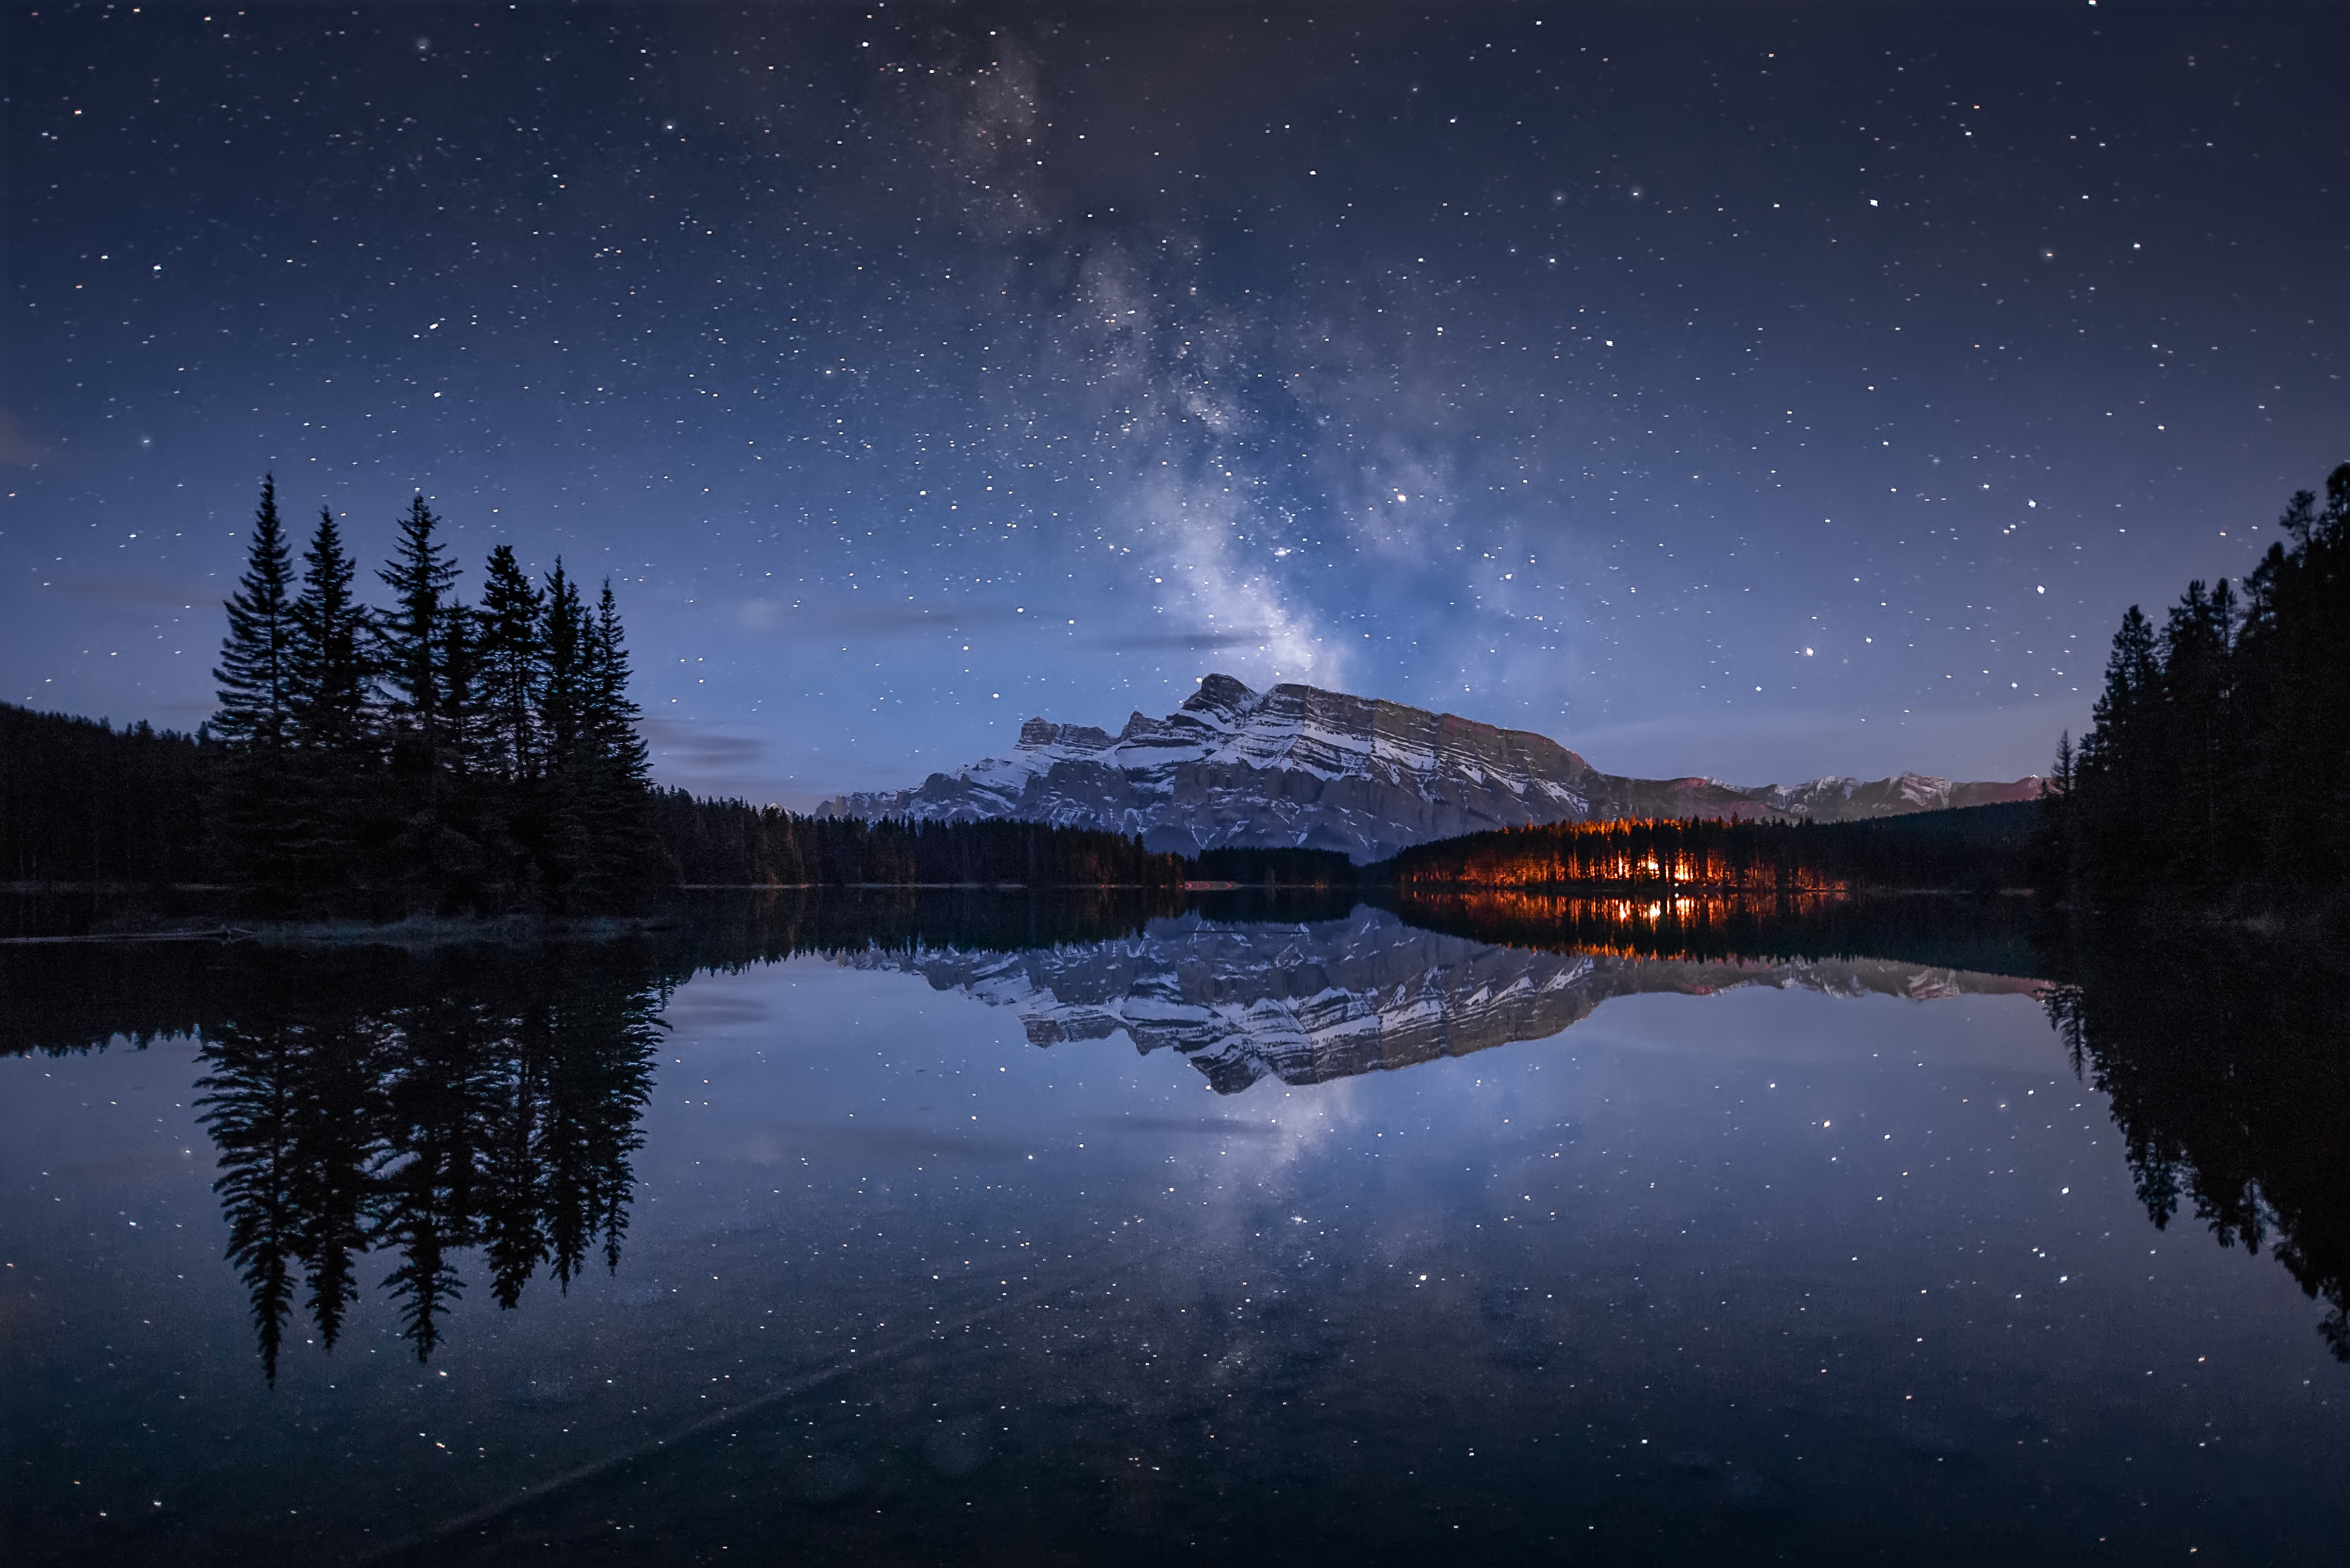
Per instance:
x=1306, y=1004
x=1301, y=766
x=1848, y=799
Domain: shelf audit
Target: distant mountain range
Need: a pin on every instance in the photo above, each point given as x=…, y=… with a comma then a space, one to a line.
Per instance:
x=1321, y=770
x=1307, y=1003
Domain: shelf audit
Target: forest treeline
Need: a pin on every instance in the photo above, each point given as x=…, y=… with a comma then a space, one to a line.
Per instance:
x=730, y=843
x=437, y=756
x=2218, y=767
x=81, y=801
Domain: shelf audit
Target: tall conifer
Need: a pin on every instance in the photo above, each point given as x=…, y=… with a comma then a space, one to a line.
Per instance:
x=331, y=650
x=615, y=713
x=253, y=795
x=416, y=631
x=562, y=695
x=330, y=776
x=568, y=846
x=511, y=672
x=426, y=652
x=256, y=667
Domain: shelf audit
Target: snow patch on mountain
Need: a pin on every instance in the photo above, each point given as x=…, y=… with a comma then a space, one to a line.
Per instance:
x=1300, y=766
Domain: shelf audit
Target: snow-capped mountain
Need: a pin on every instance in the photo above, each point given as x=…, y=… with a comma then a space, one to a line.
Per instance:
x=1301, y=766
x=1310, y=1002
x=1843, y=799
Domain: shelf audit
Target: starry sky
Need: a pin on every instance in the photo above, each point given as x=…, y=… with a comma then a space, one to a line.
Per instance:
x=1755, y=392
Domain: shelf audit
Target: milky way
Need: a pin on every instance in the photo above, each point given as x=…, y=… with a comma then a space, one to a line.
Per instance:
x=1737, y=393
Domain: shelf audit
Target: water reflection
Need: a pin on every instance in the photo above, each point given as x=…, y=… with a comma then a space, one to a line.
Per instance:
x=934, y=1242
x=1989, y=935
x=2227, y=1063
x=1310, y=1000
x=435, y=1103
x=421, y=1106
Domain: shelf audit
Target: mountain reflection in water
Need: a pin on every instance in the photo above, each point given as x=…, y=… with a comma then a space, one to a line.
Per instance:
x=429, y=1105
x=1310, y=1000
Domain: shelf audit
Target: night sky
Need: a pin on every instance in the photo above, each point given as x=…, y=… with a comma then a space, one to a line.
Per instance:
x=1750, y=392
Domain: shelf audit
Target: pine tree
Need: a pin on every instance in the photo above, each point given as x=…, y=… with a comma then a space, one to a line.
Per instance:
x=256, y=667
x=2111, y=771
x=511, y=672
x=463, y=726
x=567, y=847
x=416, y=630
x=2190, y=751
x=254, y=796
x=562, y=695
x=330, y=652
x=2053, y=845
x=2216, y=767
x=615, y=714
x=613, y=790
x=332, y=773
x=426, y=663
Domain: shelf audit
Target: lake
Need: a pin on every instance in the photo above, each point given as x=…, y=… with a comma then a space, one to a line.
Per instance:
x=978, y=1228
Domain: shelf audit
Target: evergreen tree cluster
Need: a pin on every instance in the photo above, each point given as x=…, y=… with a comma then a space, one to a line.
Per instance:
x=430, y=755
x=729, y=843
x=2219, y=765
x=81, y=801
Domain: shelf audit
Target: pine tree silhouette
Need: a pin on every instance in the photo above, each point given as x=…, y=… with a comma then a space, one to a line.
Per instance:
x=2218, y=768
x=257, y=668
x=567, y=847
x=611, y=782
x=330, y=652
x=334, y=780
x=510, y=663
x=614, y=715
x=247, y=1105
x=253, y=796
x=426, y=664
x=415, y=632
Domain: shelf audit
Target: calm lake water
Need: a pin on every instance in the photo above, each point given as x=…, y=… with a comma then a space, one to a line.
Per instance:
x=992, y=1230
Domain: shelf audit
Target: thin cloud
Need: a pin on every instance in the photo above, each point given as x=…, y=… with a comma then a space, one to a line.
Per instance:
x=17, y=447
x=701, y=749
x=1186, y=641
x=877, y=618
x=130, y=591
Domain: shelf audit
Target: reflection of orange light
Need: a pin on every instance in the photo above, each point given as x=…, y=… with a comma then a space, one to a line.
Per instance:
x=1684, y=927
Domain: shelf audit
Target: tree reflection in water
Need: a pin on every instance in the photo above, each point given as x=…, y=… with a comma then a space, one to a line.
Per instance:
x=485, y=1099
x=418, y=1106
x=422, y=1103
x=2227, y=1064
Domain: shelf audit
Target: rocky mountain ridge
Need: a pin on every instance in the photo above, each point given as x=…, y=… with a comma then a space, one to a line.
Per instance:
x=1300, y=766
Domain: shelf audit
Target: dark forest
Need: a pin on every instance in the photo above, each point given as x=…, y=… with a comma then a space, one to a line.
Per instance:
x=2218, y=769
x=444, y=758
